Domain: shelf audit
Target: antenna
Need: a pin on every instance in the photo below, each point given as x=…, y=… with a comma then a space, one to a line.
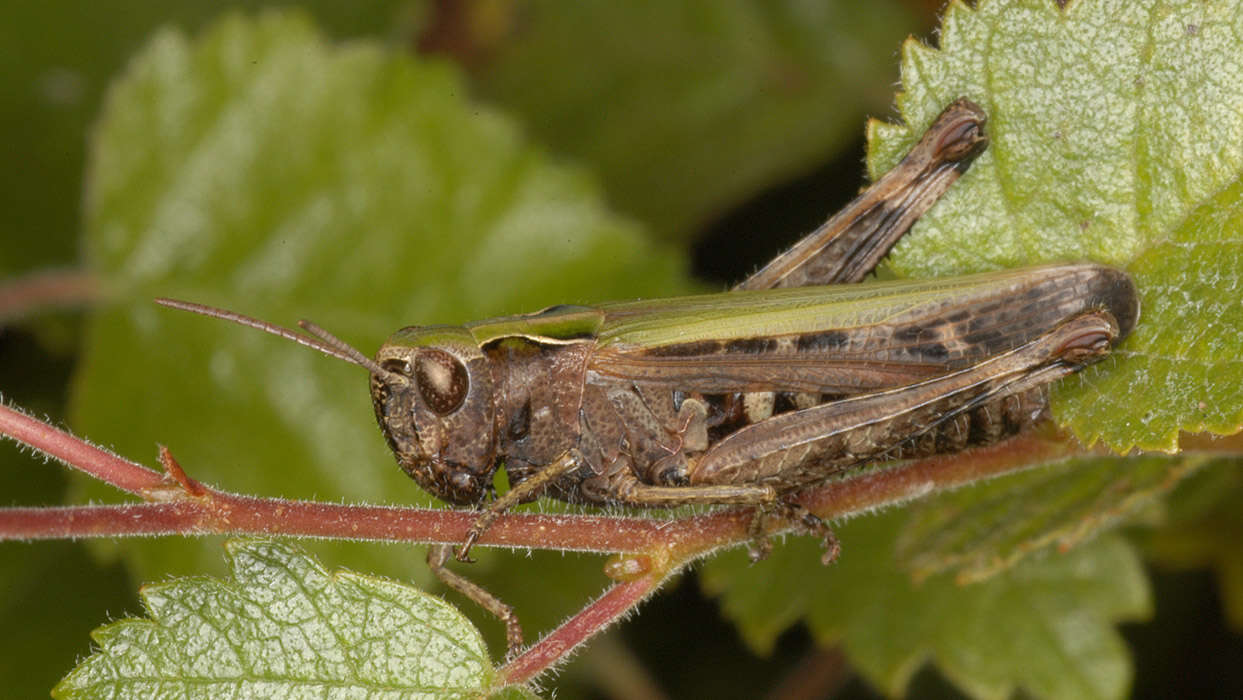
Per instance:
x=322, y=341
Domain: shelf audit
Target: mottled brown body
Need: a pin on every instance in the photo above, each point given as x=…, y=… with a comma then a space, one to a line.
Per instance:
x=638, y=418
x=748, y=396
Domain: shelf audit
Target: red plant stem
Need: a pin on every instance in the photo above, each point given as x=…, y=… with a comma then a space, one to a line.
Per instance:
x=591, y=620
x=211, y=511
x=79, y=454
x=24, y=296
x=188, y=507
x=221, y=513
x=927, y=476
x=199, y=509
x=192, y=508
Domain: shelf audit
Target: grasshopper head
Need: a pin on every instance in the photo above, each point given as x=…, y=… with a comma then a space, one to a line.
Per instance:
x=432, y=391
x=434, y=402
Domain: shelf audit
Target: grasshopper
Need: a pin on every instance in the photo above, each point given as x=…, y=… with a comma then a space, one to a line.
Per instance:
x=748, y=396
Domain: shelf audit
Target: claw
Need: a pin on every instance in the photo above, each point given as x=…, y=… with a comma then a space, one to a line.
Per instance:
x=761, y=546
x=463, y=552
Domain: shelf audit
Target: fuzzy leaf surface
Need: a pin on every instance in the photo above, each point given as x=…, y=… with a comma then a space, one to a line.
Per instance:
x=1116, y=135
x=284, y=627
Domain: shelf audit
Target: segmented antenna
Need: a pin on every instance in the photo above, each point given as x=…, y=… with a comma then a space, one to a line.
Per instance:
x=322, y=341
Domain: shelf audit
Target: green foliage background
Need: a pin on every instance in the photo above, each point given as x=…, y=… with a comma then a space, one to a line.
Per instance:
x=396, y=163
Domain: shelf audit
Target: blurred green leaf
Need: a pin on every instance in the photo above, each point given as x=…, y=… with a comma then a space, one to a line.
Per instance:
x=263, y=169
x=285, y=627
x=1045, y=625
x=1117, y=135
x=987, y=527
x=1204, y=529
x=53, y=73
x=685, y=108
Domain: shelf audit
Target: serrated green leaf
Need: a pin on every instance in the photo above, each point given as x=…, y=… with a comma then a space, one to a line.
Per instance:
x=284, y=627
x=712, y=99
x=261, y=168
x=987, y=527
x=1117, y=135
x=1045, y=625
x=1184, y=357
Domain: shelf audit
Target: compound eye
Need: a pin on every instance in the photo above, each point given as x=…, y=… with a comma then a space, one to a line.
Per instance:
x=442, y=380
